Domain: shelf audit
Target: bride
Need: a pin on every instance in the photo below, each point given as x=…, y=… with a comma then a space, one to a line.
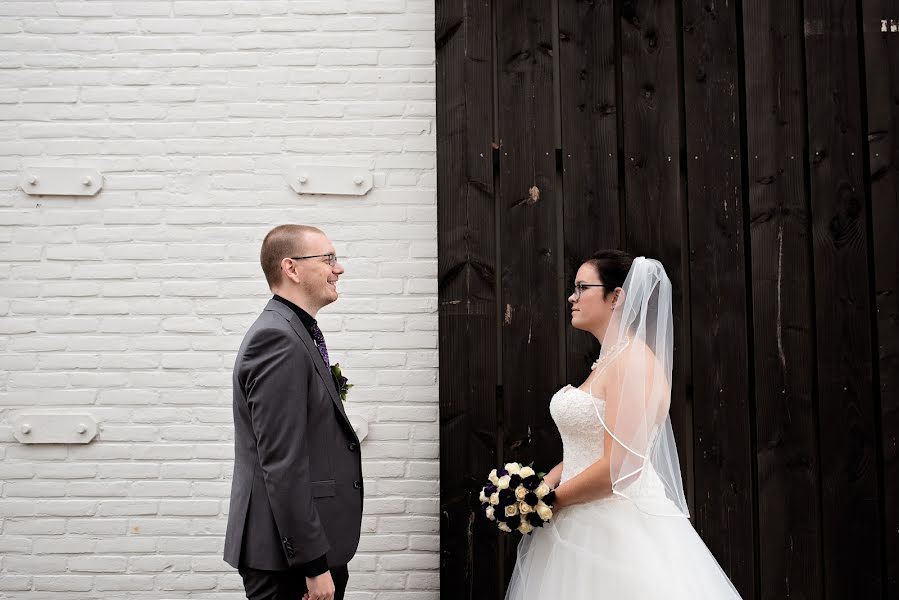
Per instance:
x=621, y=530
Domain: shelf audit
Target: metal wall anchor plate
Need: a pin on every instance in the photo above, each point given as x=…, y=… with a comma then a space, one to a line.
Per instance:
x=60, y=181
x=54, y=429
x=330, y=180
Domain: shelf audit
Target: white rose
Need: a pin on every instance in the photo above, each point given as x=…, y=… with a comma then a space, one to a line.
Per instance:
x=494, y=498
x=489, y=512
x=526, y=472
x=513, y=468
x=503, y=482
x=525, y=527
x=503, y=527
x=483, y=497
x=493, y=477
x=544, y=511
x=542, y=489
x=521, y=492
x=511, y=510
x=525, y=508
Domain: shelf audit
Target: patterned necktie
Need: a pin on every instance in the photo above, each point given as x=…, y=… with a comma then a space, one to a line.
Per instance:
x=319, y=339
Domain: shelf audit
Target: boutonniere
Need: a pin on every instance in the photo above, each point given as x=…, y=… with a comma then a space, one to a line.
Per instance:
x=343, y=387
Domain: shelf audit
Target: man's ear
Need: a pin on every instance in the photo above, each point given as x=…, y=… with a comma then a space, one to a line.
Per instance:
x=289, y=269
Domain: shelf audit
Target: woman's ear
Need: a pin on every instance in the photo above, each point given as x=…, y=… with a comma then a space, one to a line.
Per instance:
x=618, y=300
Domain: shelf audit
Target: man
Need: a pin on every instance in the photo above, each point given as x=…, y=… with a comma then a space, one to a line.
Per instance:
x=296, y=495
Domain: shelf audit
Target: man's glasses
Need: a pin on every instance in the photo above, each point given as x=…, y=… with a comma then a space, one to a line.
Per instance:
x=332, y=258
x=580, y=287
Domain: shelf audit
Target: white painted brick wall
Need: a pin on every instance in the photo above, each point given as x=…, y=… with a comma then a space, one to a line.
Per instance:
x=130, y=305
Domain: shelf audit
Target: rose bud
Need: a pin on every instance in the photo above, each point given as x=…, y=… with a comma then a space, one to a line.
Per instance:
x=534, y=519
x=544, y=512
x=531, y=498
x=532, y=482
x=526, y=472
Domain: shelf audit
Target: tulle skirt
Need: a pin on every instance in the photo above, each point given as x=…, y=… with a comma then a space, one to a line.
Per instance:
x=610, y=549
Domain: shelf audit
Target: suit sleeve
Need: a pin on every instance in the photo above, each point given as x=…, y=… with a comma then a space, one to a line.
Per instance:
x=277, y=382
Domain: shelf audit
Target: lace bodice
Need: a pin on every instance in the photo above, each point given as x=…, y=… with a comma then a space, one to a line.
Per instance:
x=583, y=436
x=575, y=414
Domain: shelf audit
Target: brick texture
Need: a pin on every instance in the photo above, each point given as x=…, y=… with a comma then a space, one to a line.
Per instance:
x=129, y=305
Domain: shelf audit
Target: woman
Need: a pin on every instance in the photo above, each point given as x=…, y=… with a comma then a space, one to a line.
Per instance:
x=621, y=530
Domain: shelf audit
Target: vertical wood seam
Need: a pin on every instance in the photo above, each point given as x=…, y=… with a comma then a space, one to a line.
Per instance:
x=686, y=263
x=559, y=192
x=872, y=297
x=619, y=124
x=498, y=282
x=750, y=308
x=816, y=388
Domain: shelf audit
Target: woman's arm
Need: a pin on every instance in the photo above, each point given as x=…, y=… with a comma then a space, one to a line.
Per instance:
x=592, y=483
x=553, y=478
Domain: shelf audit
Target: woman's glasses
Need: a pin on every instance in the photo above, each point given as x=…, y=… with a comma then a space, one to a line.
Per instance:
x=580, y=287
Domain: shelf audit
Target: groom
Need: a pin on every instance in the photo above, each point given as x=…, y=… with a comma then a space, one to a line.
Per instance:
x=296, y=495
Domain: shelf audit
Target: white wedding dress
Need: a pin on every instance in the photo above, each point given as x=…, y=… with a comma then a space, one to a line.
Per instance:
x=610, y=548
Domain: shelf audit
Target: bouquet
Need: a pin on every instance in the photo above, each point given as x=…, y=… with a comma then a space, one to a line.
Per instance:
x=517, y=498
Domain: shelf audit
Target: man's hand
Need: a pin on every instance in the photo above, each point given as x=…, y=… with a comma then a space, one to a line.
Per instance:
x=321, y=587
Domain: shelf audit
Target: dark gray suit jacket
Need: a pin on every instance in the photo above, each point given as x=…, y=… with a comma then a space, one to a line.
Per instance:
x=297, y=487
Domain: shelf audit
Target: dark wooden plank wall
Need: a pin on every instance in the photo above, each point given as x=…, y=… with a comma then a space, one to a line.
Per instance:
x=654, y=215
x=589, y=128
x=853, y=556
x=467, y=272
x=527, y=196
x=783, y=324
x=881, y=53
x=722, y=422
x=727, y=140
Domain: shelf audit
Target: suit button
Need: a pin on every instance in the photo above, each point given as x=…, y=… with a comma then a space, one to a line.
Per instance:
x=357, y=485
x=352, y=447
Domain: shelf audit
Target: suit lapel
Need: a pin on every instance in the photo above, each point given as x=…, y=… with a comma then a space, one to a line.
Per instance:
x=324, y=371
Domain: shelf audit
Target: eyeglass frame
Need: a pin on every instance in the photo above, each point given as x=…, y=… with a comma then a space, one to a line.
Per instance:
x=332, y=258
x=580, y=287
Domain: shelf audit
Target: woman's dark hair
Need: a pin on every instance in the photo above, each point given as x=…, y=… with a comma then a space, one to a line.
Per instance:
x=612, y=266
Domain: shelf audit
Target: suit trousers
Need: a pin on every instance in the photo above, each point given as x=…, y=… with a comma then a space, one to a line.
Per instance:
x=286, y=585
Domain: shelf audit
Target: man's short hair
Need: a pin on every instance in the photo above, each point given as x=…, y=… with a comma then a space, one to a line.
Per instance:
x=280, y=242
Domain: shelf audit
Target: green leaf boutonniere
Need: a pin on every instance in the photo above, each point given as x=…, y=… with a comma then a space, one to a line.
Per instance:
x=343, y=387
